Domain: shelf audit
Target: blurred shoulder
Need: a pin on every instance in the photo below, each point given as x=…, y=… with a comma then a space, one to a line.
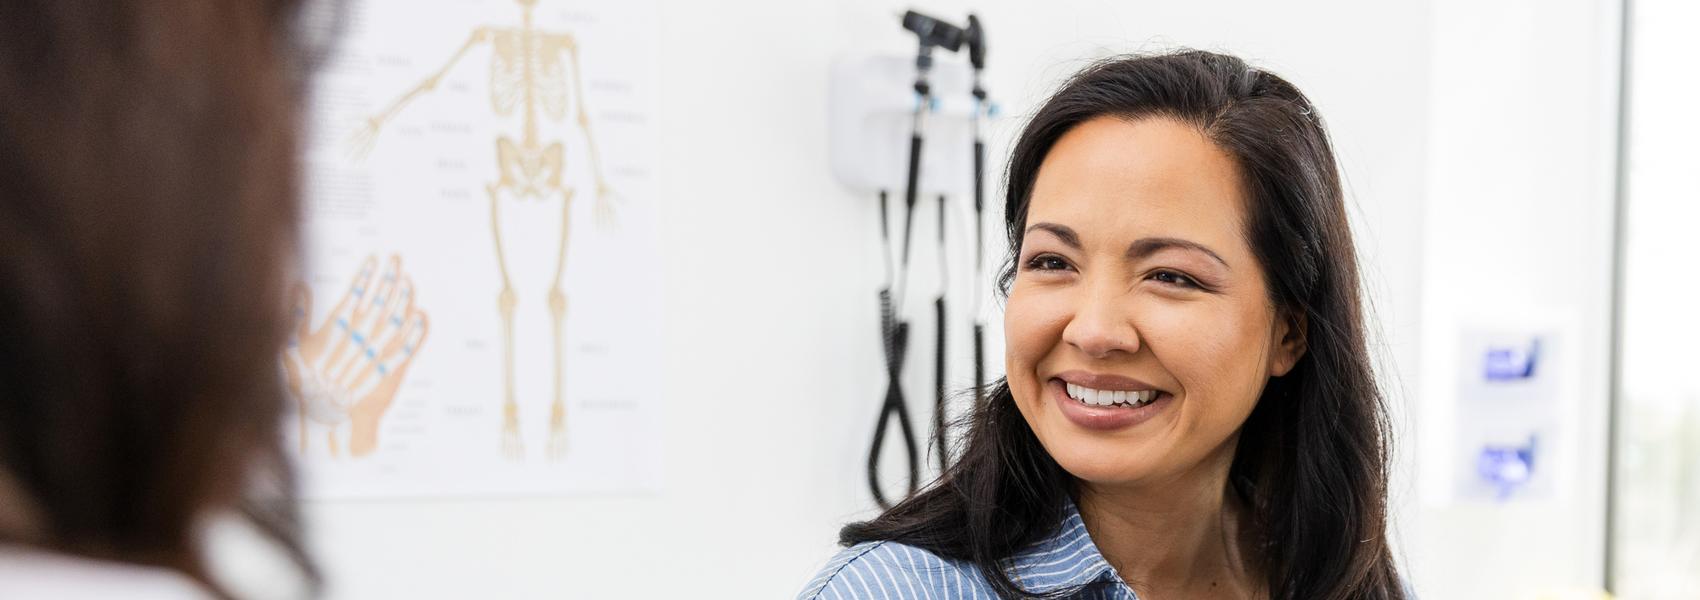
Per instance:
x=28, y=573
x=885, y=569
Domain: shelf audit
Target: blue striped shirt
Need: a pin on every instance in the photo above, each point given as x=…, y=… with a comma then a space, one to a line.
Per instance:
x=1067, y=561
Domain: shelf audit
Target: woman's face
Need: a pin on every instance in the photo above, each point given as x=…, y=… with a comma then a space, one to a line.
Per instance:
x=1139, y=327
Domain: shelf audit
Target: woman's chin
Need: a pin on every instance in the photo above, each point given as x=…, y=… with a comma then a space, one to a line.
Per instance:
x=1104, y=464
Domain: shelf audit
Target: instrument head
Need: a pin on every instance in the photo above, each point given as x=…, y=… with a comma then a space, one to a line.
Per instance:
x=933, y=32
x=975, y=38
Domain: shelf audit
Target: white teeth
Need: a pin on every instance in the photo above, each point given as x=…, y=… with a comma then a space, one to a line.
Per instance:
x=1110, y=397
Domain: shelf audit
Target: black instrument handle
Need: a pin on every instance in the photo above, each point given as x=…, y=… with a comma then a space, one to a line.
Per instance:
x=940, y=434
x=913, y=188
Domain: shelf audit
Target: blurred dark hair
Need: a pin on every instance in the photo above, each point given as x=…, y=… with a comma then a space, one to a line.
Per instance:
x=1310, y=468
x=148, y=223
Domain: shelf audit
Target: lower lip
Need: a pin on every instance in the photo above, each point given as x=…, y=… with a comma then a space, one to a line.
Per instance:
x=1104, y=418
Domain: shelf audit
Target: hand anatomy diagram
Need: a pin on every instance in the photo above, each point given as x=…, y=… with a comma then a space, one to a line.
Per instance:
x=344, y=373
x=527, y=74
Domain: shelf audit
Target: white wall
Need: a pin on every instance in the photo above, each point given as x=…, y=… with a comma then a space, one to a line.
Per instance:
x=1517, y=233
x=772, y=366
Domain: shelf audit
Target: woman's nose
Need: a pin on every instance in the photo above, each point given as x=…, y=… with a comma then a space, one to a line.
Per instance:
x=1102, y=324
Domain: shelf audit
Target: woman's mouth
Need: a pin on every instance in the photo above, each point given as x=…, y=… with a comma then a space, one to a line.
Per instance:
x=1097, y=408
x=1123, y=398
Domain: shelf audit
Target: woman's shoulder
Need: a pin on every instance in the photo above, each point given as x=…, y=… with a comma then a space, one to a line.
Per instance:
x=887, y=569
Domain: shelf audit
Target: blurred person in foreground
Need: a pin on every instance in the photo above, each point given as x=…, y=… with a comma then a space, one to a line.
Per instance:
x=148, y=224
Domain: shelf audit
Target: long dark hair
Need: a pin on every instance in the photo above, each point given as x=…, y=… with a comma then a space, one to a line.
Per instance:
x=148, y=225
x=1311, y=467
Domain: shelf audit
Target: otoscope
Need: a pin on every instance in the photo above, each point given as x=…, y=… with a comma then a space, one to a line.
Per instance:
x=975, y=37
x=930, y=33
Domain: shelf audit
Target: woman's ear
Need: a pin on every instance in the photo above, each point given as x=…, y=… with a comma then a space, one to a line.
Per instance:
x=1290, y=343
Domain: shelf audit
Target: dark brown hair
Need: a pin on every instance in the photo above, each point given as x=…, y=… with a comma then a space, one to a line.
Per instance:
x=1310, y=468
x=147, y=228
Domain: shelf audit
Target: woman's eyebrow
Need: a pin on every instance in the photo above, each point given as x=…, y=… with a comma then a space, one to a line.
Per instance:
x=1137, y=250
x=1067, y=236
x=1148, y=246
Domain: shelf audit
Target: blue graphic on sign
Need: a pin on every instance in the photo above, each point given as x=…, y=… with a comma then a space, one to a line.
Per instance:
x=1510, y=363
x=1507, y=468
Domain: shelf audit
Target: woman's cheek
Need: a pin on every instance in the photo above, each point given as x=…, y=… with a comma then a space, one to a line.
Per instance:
x=1199, y=342
x=1033, y=325
x=1035, y=318
x=1170, y=327
x=1024, y=336
x=1224, y=362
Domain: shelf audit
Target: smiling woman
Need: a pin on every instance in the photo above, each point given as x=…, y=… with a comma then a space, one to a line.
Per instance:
x=1119, y=289
x=1189, y=409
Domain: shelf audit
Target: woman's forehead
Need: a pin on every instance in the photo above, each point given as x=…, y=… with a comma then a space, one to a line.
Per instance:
x=1140, y=177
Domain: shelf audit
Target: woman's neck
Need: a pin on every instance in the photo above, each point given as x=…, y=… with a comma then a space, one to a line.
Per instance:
x=1178, y=538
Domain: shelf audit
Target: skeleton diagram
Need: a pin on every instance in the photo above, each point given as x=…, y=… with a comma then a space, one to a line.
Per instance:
x=526, y=74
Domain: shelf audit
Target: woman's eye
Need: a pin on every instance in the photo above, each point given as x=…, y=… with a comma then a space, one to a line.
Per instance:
x=1047, y=262
x=1174, y=279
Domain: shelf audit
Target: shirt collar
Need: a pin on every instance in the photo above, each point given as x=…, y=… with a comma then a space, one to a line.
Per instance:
x=1065, y=559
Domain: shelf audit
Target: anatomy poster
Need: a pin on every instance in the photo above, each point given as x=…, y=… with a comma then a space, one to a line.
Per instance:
x=481, y=297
